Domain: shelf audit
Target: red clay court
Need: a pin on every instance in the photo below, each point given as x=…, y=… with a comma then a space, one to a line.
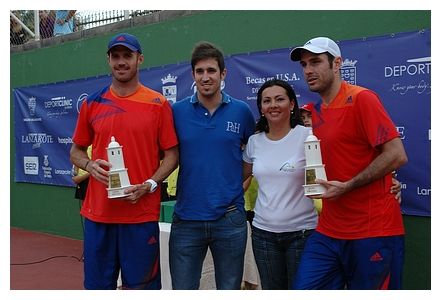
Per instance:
x=42, y=261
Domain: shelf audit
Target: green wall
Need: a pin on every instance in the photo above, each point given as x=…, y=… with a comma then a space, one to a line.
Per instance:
x=53, y=209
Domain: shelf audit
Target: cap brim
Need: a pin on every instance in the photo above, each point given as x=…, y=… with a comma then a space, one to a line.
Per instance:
x=296, y=52
x=125, y=45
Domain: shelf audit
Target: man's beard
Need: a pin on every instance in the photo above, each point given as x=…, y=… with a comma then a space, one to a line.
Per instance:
x=321, y=87
x=124, y=78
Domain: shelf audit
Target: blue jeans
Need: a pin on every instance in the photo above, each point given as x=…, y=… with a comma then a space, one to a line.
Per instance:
x=277, y=256
x=188, y=245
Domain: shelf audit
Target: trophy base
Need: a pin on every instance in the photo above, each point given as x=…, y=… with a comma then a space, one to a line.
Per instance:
x=116, y=193
x=314, y=189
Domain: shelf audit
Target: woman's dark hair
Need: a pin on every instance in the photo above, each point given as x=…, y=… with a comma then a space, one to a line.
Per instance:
x=204, y=50
x=262, y=123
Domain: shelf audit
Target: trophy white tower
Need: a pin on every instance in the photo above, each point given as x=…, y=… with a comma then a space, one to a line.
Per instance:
x=118, y=176
x=314, y=167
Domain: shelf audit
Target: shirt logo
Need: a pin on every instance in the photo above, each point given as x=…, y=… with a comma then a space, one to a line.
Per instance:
x=233, y=127
x=382, y=135
x=287, y=167
x=152, y=240
x=376, y=257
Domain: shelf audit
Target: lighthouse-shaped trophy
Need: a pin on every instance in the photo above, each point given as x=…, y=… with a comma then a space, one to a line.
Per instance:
x=314, y=168
x=118, y=177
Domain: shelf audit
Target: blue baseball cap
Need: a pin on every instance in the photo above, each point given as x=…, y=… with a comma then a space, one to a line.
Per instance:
x=126, y=40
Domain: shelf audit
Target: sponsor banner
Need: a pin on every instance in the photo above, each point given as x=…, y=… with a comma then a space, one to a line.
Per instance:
x=45, y=116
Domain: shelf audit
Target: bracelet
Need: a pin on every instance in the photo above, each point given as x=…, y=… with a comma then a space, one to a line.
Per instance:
x=85, y=167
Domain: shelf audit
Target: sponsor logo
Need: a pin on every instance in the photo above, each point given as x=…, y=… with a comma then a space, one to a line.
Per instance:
x=37, y=139
x=288, y=77
x=169, y=88
x=58, y=106
x=420, y=87
x=261, y=80
x=256, y=82
x=32, y=120
x=403, y=186
x=416, y=66
x=65, y=140
x=58, y=102
x=413, y=68
x=32, y=105
x=348, y=71
x=47, y=170
x=63, y=172
x=30, y=164
x=423, y=191
x=400, y=130
x=80, y=100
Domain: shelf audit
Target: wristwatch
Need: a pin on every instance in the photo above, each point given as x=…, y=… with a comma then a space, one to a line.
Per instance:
x=153, y=185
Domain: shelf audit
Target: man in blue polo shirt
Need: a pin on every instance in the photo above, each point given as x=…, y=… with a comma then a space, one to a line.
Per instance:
x=212, y=127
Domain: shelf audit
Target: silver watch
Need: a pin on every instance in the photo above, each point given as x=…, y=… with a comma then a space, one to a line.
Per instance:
x=153, y=185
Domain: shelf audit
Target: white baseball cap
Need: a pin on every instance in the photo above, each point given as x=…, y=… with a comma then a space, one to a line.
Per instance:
x=317, y=45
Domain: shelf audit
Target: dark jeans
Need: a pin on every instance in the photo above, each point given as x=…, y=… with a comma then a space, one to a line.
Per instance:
x=188, y=245
x=277, y=256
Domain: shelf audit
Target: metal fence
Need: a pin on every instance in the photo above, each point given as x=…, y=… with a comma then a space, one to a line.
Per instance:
x=24, y=22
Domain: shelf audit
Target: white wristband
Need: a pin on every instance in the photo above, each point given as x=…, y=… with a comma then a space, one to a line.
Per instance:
x=153, y=185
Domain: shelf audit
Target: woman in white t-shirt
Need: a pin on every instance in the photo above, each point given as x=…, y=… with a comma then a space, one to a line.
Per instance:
x=284, y=216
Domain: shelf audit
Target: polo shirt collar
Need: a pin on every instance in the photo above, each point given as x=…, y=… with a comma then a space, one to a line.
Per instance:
x=225, y=98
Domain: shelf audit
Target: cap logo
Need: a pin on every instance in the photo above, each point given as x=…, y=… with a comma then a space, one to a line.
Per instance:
x=126, y=40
